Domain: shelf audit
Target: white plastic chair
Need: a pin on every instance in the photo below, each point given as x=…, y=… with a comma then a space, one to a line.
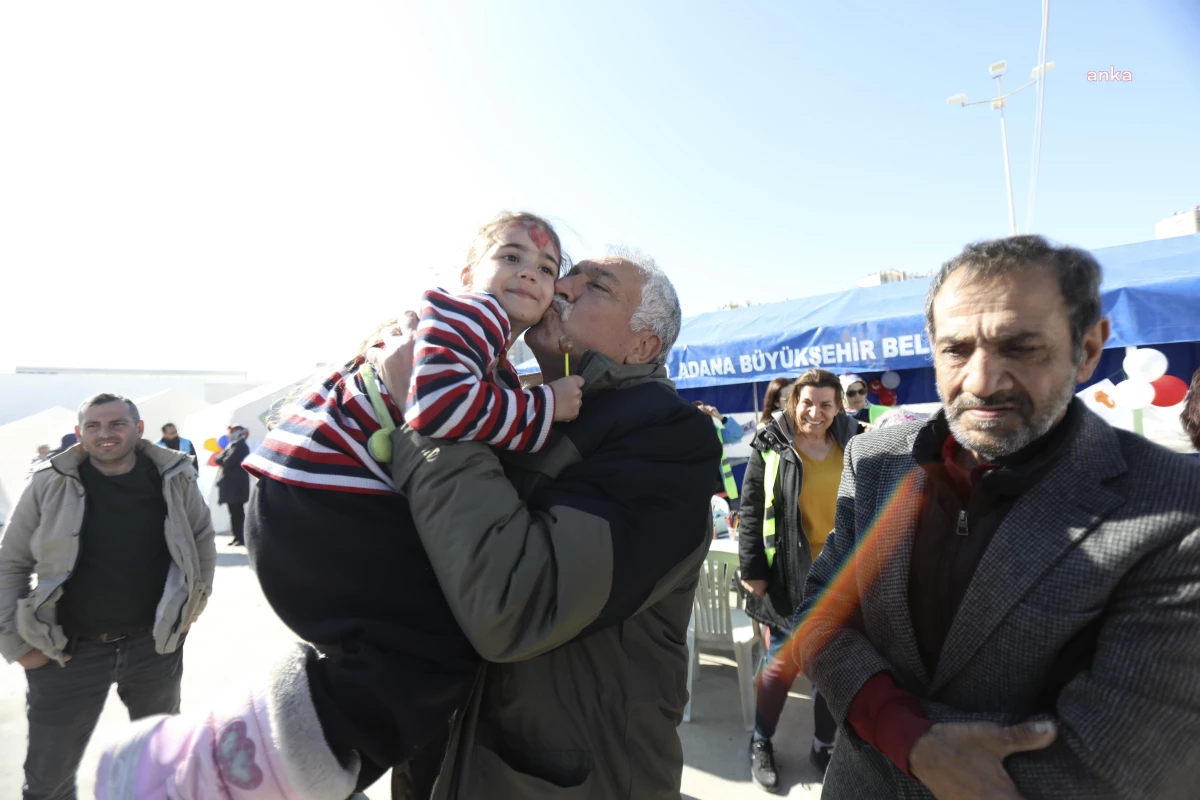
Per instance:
x=717, y=626
x=720, y=515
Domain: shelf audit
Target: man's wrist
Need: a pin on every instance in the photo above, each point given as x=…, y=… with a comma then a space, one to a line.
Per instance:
x=20, y=653
x=888, y=718
x=900, y=728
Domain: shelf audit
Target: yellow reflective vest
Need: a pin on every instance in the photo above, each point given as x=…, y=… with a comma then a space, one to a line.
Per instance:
x=770, y=473
x=726, y=471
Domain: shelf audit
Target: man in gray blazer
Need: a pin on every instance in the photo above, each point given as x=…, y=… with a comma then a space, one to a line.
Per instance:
x=1019, y=612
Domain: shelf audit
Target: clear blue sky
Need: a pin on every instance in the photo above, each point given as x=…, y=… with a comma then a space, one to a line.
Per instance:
x=278, y=176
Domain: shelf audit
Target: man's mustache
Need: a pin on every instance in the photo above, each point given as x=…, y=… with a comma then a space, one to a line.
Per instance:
x=563, y=307
x=1018, y=400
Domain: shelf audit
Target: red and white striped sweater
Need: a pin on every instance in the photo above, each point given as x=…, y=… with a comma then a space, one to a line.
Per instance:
x=321, y=443
x=463, y=387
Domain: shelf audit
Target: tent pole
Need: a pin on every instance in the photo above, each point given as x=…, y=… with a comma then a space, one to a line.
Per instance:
x=1137, y=412
x=754, y=391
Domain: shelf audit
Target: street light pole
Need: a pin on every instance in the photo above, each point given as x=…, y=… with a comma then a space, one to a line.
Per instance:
x=1012, y=214
x=998, y=103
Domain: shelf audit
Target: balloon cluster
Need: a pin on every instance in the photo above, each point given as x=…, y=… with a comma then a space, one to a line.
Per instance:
x=884, y=387
x=214, y=447
x=1148, y=382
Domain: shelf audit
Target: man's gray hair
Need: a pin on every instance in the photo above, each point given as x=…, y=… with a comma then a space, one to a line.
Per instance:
x=659, y=310
x=108, y=397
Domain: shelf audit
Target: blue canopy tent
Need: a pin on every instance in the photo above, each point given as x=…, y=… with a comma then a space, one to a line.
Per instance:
x=1151, y=292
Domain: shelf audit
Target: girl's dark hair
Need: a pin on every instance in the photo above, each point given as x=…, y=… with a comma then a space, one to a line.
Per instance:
x=818, y=379
x=771, y=398
x=489, y=233
x=1191, y=411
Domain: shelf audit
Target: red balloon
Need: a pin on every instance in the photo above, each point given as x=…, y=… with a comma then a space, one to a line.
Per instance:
x=876, y=386
x=1169, y=391
x=886, y=397
x=212, y=460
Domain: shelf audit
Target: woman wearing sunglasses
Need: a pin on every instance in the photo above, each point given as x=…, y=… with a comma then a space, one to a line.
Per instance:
x=855, y=389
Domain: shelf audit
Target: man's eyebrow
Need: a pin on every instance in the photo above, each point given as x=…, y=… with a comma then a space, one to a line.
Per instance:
x=1021, y=337
x=1013, y=338
x=599, y=272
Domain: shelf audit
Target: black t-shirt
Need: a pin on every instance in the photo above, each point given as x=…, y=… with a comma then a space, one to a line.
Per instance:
x=123, y=561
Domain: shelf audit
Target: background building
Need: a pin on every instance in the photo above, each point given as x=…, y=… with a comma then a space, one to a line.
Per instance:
x=1181, y=223
x=890, y=276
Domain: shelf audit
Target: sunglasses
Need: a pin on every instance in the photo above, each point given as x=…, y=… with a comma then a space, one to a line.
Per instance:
x=855, y=392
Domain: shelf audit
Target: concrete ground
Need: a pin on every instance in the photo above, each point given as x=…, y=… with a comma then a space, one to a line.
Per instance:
x=239, y=635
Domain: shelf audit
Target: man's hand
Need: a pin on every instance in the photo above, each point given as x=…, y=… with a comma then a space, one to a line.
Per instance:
x=757, y=586
x=393, y=361
x=568, y=397
x=710, y=410
x=34, y=659
x=965, y=760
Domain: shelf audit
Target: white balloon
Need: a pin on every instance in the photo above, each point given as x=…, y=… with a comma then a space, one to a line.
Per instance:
x=1145, y=364
x=1133, y=394
x=890, y=380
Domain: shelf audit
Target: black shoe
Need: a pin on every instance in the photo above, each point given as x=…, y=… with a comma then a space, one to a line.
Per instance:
x=762, y=765
x=819, y=756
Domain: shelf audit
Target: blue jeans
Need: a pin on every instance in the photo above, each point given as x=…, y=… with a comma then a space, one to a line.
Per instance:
x=64, y=703
x=775, y=679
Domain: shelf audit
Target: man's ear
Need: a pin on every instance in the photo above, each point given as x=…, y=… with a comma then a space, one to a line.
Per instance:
x=466, y=277
x=141, y=426
x=646, y=346
x=1093, y=347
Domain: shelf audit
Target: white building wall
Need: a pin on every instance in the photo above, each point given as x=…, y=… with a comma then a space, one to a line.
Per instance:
x=23, y=394
x=19, y=442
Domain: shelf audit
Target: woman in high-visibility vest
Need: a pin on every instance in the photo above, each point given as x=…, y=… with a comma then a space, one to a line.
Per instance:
x=789, y=497
x=729, y=431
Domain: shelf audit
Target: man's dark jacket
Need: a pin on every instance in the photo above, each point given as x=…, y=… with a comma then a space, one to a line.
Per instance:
x=1106, y=546
x=233, y=486
x=580, y=594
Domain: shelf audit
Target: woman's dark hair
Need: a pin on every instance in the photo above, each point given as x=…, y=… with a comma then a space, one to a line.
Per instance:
x=771, y=398
x=1191, y=411
x=818, y=379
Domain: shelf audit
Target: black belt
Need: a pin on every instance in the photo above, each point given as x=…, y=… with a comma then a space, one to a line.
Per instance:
x=109, y=638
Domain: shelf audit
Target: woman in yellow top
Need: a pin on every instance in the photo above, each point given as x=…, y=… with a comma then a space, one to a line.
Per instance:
x=789, y=498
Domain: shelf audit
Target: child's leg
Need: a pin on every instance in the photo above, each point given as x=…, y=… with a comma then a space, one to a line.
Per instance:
x=347, y=572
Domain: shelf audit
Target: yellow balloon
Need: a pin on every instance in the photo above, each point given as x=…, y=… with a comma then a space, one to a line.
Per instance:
x=210, y=444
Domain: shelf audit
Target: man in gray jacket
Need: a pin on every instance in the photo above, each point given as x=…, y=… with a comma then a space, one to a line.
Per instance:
x=1009, y=606
x=120, y=539
x=573, y=570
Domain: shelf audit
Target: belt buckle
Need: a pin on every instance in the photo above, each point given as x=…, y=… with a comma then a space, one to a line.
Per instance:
x=109, y=638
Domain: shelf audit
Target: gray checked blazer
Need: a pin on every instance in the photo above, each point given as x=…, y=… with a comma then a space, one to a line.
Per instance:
x=1105, y=548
